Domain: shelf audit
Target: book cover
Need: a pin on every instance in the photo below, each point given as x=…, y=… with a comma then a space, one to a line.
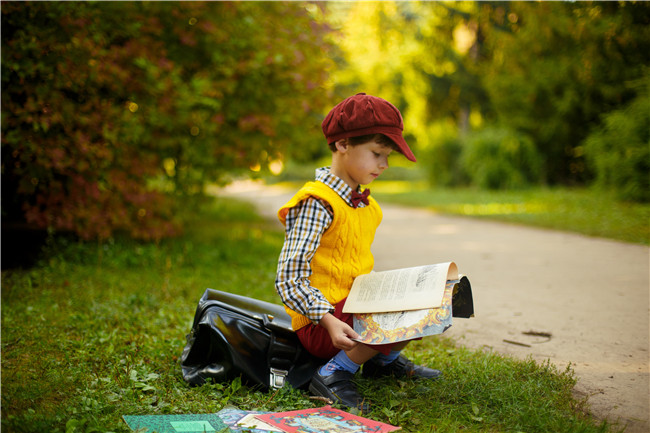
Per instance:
x=242, y=421
x=324, y=419
x=391, y=327
x=207, y=423
x=251, y=424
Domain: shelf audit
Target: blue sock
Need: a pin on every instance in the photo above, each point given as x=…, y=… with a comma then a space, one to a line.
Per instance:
x=339, y=362
x=382, y=359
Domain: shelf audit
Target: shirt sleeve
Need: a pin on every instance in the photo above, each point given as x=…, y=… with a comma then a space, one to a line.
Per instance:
x=305, y=225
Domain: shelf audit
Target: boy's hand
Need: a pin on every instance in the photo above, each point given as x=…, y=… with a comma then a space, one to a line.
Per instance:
x=340, y=332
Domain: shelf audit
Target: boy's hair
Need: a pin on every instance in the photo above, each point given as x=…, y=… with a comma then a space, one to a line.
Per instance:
x=361, y=139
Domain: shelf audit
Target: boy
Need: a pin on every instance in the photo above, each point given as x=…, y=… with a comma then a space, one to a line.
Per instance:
x=330, y=225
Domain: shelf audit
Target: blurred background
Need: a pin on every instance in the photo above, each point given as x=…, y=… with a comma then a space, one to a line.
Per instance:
x=117, y=115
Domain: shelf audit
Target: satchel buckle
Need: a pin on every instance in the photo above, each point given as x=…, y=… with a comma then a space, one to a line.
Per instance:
x=277, y=378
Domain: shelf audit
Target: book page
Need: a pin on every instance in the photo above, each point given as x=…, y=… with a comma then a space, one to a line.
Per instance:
x=400, y=289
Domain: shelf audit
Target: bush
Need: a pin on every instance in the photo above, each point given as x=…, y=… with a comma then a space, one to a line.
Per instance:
x=619, y=151
x=111, y=110
x=445, y=168
x=500, y=158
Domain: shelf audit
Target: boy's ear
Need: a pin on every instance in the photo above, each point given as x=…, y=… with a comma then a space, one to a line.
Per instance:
x=342, y=145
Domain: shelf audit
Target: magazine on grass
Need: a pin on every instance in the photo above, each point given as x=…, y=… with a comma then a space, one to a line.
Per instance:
x=244, y=421
x=324, y=419
x=193, y=423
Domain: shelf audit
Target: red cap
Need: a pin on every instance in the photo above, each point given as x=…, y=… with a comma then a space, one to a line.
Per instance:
x=363, y=114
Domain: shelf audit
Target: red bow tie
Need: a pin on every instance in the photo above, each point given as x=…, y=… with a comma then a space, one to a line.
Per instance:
x=360, y=197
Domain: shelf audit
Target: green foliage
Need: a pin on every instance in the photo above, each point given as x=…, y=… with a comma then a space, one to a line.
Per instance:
x=445, y=161
x=94, y=332
x=499, y=158
x=110, y=109
x=620, y=149
x=546, y=70
x=556, y=67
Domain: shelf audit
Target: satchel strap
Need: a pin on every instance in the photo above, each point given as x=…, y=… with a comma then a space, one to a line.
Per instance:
x=282, y=355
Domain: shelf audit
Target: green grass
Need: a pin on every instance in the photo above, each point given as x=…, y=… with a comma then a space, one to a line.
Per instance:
x=583, y=211
x=94, y=332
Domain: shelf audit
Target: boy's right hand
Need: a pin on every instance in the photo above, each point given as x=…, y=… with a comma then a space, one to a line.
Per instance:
x=340, y=332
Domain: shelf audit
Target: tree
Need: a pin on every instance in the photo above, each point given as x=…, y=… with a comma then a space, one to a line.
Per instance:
x=545, y=70
x=619, y=150
x=113, y=109
x=558, y=67
x=422, y=56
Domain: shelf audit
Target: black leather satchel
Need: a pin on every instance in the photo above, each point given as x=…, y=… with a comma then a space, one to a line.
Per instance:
x=233, y=335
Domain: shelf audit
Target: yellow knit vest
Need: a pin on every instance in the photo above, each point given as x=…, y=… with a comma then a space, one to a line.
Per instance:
x=344, y=251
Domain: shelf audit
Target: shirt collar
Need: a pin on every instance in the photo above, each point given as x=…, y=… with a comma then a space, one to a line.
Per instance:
x=339, y=186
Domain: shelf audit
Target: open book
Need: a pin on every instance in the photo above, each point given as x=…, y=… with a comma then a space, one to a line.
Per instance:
x=404, y=304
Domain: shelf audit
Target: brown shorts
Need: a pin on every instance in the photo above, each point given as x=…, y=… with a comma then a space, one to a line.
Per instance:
x=317, y=340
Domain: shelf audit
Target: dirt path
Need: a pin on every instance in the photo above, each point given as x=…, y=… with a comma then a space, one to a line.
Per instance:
x=591, y=295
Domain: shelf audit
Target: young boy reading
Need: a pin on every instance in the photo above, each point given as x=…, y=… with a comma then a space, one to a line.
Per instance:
x=329, y=228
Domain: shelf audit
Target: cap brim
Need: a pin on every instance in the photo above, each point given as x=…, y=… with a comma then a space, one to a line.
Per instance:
x=401, y=143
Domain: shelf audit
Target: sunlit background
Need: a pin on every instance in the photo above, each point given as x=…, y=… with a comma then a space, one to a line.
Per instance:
x=114, y=114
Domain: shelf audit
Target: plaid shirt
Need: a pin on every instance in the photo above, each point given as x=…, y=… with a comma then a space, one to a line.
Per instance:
x=305, y=225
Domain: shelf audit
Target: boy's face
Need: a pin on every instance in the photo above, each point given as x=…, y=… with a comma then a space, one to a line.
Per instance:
x=363, y=163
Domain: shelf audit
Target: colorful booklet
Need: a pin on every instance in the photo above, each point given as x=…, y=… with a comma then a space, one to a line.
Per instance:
x=207, y=423
x=324, y=419
x=244, y=421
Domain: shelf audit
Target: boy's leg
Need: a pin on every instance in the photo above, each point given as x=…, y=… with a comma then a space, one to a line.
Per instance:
x=349, y=360
x=334, y=379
